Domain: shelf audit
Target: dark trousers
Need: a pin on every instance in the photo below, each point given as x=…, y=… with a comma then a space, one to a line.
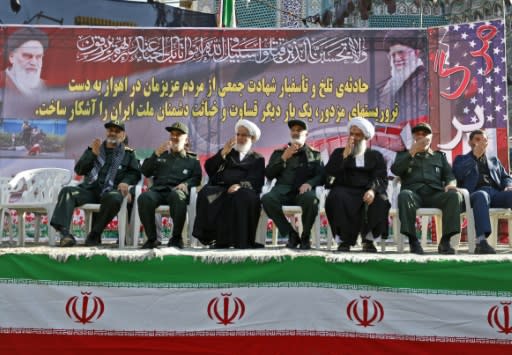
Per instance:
x=148, y=202
x=71, y=197
x=277, y=197
x=448, y=202
x=482, y=200
x=229, y=219
x=348, y=215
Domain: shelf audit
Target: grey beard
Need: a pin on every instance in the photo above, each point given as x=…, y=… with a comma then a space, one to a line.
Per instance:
x=300, y=141
x=112, y=141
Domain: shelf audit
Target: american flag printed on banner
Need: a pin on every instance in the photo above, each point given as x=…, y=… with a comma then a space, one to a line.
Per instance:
x=470, y=62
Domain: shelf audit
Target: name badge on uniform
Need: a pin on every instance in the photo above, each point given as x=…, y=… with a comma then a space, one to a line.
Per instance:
x=185, y=171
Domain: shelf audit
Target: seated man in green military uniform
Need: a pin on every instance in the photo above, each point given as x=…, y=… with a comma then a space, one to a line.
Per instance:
x=110, y=167
x=427, y=181
x=174, y=172
x=298, y=169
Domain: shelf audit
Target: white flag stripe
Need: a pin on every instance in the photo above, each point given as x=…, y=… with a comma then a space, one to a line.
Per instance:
x=253, y=309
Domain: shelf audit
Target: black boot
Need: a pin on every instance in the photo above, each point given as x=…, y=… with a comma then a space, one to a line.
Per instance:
x=93, y=239
x=444, y=246
x=67, y=240
x=305, y=241
x=175, y=242
x=369, y=247
x=293, y=239
x=151, y=243
x=415, y=246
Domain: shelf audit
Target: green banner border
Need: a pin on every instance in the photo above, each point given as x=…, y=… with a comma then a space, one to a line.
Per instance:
x=492, y=276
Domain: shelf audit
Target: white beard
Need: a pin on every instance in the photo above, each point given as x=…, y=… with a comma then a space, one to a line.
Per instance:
x=243, y=148
x=360, y=147
x=177, y=147
x=25, y=81
x=112, y=141
x=300, y=141
x=399, y=76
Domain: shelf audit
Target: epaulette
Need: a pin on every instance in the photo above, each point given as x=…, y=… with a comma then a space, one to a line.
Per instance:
x=439, y=152
x=128, y=149
x=192, y=154
x=313, y=149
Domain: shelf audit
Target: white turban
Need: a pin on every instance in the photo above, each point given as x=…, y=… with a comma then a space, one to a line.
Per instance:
x=364, y=125
x=254, y=131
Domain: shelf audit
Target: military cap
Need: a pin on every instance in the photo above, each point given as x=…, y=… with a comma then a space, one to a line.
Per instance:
x=301, y=123
x=115, y=124
x=178, y=126
x=422, y=126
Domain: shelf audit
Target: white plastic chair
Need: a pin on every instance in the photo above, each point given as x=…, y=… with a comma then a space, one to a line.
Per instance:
x=122, y=218
x=36, y=191
x=496, y=214
x=4, y=212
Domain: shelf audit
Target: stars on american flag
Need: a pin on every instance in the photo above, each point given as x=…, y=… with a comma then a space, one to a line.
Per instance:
x=480, y=47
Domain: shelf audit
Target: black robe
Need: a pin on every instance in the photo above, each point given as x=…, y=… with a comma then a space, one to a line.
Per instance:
x=346, y=212
x=230, y=219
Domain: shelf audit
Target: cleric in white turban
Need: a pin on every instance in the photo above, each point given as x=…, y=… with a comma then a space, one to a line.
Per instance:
x=364, y=125
x=357, y=202
x=254, y=131
x=229, y=207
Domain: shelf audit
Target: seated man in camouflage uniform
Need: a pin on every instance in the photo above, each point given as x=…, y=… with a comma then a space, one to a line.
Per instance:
x=110, y=167
x=427, y=181
x=298, y=169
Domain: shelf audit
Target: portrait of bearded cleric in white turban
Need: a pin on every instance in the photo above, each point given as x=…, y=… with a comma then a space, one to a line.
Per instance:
x=406, y=86
x=21, y=80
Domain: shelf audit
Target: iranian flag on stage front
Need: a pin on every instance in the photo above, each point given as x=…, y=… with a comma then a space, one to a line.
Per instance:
x=287, y=304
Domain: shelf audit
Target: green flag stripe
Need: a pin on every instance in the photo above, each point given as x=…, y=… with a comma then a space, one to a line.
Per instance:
x=228, y=8
x=489, y=276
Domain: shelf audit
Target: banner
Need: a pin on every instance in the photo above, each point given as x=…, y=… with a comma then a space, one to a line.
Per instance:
x=469, y=86
x=166, y=301
x=55, y=100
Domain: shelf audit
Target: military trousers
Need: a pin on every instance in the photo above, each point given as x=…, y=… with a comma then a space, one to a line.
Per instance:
x=448, y=202
x=149, y=201
x=280, y=196
x=71, y=197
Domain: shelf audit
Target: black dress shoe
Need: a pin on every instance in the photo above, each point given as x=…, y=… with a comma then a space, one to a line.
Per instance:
x=176, y=242
x=484, y=248
x=67, y=241
x=344, y=247
x=93, y=239
x=415, y=247
x=445, y=248
x=369, y=247
x=151, y=244
x=305, y=245
x=293, y=240
x=305, y=241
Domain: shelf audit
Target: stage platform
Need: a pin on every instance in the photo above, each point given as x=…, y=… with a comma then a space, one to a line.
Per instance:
x=274, y=300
